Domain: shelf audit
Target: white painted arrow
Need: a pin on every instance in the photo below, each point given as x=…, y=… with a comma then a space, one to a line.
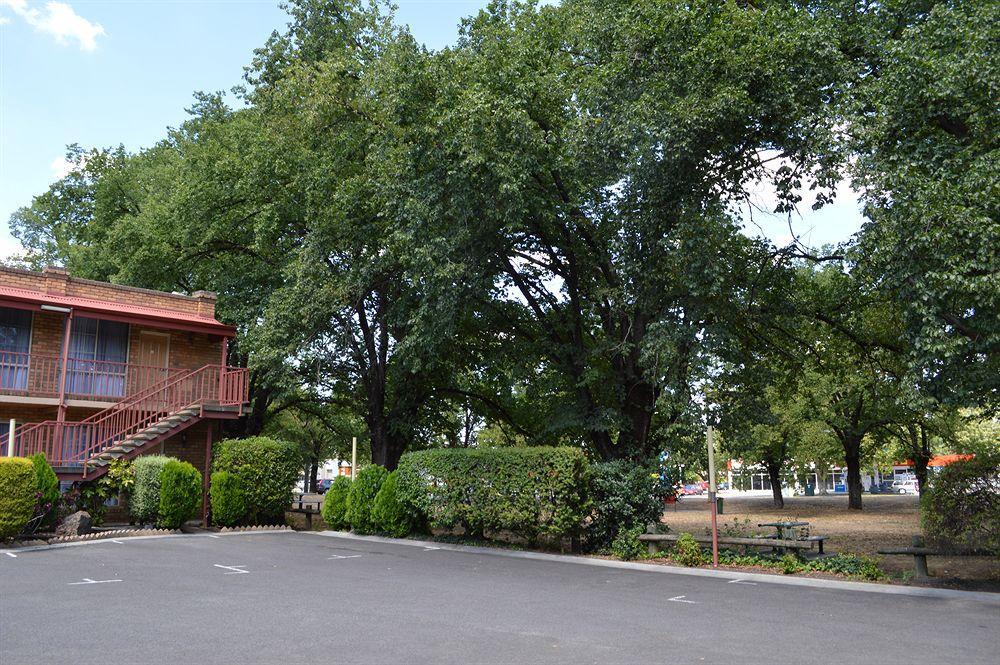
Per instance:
x=237, y=570
x=87, y=580
x=680, y=599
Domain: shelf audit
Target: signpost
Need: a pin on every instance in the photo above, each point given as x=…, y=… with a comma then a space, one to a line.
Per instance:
x=710, y=435
x=354, y=456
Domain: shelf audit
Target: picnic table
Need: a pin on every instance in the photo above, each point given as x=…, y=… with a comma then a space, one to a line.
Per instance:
x=786, y=531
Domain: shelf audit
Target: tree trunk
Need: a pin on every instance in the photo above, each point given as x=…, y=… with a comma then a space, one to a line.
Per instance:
x=774, y=473
x=852, y=455
x=313, y=472
x=921, y=457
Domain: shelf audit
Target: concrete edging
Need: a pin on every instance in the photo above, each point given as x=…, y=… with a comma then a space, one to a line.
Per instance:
x=98, y=541
x=822, y=583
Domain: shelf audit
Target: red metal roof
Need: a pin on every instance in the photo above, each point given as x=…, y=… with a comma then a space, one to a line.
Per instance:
x=167, y=318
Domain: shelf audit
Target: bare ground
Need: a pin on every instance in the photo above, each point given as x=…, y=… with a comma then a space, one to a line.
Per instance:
x=886, y=522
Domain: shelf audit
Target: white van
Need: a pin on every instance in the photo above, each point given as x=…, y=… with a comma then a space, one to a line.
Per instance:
x=907, y=486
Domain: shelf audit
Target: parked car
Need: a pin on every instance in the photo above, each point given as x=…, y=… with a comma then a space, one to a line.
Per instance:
x=695, y=488
x=323, y=485
x=905, y=487
x=884, y=487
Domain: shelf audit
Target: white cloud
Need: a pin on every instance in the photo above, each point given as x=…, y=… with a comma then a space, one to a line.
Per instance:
x=4, y=20
x=59, y=20
x=61, y=167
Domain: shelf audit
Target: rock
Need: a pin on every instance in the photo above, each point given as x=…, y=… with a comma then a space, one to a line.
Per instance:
x=76, y=524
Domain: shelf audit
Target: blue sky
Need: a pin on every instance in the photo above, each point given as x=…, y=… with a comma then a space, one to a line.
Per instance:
x=104, y=72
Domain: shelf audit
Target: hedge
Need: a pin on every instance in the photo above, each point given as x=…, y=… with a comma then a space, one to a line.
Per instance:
x=47, y=484
x=625, y=497
x=361, y=498
x=961, y=508
x=180, y=494
x=145, y=500
x=267, y=469
x=531, y=492
x=390, y=514
x=335, y=504
x=18, y=494
x=228, y=499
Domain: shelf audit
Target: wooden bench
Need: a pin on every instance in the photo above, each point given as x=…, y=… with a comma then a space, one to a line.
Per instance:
x=303, y=508
x=920, y=553
x=655, y=541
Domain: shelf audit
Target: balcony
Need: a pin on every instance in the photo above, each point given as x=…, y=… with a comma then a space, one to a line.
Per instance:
x=40, y=376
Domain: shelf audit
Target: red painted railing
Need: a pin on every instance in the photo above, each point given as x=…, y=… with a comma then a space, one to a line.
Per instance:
x=73, y=443
x=36, y=375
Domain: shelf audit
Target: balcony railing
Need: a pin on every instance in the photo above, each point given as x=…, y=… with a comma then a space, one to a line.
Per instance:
x=34, y=375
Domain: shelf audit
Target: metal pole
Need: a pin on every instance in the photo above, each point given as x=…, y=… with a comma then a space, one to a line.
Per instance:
x=354, y=456
x=10, y=439
x=711, y=496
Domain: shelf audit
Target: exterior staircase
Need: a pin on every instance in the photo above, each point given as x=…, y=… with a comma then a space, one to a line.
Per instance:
x=84, y=449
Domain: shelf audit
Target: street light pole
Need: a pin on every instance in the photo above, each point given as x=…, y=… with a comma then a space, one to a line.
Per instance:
x=710, y=435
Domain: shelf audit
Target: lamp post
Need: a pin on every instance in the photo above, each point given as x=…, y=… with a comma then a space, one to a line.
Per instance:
x=710, y=436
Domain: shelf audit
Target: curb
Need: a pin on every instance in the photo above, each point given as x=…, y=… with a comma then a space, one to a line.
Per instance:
x=247, y=531
x=842, y=585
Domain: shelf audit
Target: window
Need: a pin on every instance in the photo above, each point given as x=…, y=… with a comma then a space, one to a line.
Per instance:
x=15, y=344
x=98, y=353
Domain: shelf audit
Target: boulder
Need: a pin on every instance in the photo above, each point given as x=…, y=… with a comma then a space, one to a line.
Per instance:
x=76, y=524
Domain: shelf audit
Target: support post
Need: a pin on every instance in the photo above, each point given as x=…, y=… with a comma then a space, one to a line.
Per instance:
x=63, y=373
x=206, y=476
x=919, y=560
x=710, y=435
x=354, y=457
x=222, y=368
x=10, y=438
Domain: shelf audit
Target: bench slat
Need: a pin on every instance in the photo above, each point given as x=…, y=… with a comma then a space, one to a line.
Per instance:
x=730, y=540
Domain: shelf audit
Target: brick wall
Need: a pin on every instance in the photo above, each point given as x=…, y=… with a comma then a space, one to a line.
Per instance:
x=187, y=350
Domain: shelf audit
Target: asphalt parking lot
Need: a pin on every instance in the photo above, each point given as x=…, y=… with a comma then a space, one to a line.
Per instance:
x=304, y=598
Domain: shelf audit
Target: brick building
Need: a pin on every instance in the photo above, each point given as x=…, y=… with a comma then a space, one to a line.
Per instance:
x=91, y=372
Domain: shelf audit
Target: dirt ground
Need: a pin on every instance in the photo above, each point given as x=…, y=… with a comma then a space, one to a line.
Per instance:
x=887, y=522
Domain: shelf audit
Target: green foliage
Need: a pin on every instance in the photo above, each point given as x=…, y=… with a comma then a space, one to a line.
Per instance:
x=848, y=565
x=120, y=478
x=18, y=494
x=626, y=545
x=531, y=492
x=789, y=564
x=361, y=498
x=961, y=508
x=335, y=504
x=228, y=499
x=48, y=489
x=267, y=470
x=391, y=515
x=145, y=501
x=624, y=496
x=180, y=494
x=688, y=552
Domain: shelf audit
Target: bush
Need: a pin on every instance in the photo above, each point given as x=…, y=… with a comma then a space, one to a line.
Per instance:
x=361, y=498
x=390, y=514
x=626, y=545
x=688, y=552
x=47, y=485
x=180, y=494
x=18, y=494
x=961, y=508
x=624, y=496
x=335, y=504
x=267, y=470
x=228, y=499
x=145, y=503
x=531, y=492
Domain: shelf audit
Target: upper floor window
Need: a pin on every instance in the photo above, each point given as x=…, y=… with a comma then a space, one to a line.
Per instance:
x=15, y=344
x=98, y=353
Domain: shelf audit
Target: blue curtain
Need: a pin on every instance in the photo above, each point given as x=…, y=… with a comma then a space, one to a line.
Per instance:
x=15, y=344
x=98, y=351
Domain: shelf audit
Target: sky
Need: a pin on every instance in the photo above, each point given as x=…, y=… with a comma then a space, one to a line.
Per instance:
x=106, y=72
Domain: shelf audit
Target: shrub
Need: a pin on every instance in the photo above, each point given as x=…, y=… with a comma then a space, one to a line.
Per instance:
x=961, y=508
x=145, y=504
x=180, y=494
x=624, y=496
x=228, y=499
x=531, y=492
x=18, y=494
x=47, y=485
x=789, y=564
x=851, y=565
x=361, y=498
x=626, y=545
x=335, y=504
x=390, y=514
x=688, y=552
x=267, y=469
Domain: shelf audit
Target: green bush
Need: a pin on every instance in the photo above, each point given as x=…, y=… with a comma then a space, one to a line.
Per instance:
x=267, y=469
x=228, y=499
x=789, y=564
x=18, y=494
x=961, y=508
x=530, y=492
x=180, y=494
x=391, y=516
x=688, y=552
x=335, y=504
x=361, y=498
x=626, y=545
x=145, y=501
x=47, y=484
x=624, y=496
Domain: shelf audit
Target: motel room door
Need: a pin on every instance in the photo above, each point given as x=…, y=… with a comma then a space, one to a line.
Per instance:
x=154, y=358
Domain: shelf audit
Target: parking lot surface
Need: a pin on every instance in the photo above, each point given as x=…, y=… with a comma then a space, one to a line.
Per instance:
x=304, y=598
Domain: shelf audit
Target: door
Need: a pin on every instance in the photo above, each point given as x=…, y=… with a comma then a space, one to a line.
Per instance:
x=153, y=358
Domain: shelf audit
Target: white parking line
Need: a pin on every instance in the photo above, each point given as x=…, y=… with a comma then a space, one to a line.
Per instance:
x=87, y=580
x=118, y=542
x=680, y=599
x=212, y=535
x=741, y=582
x=338, y=556
x=11, y=555
x=237, y=570
x=427, y=549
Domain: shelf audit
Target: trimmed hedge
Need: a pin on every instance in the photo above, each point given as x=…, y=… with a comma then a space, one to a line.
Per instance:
x=180, y=494
x=361, y=498
x=267, y=469
x=145, y=501
x=228, y=499
x=18, y=494
x=390, y=514
x=961, y=508
x=47, y=484
x=625, y=496
x=335, y=504
x=531, y=492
